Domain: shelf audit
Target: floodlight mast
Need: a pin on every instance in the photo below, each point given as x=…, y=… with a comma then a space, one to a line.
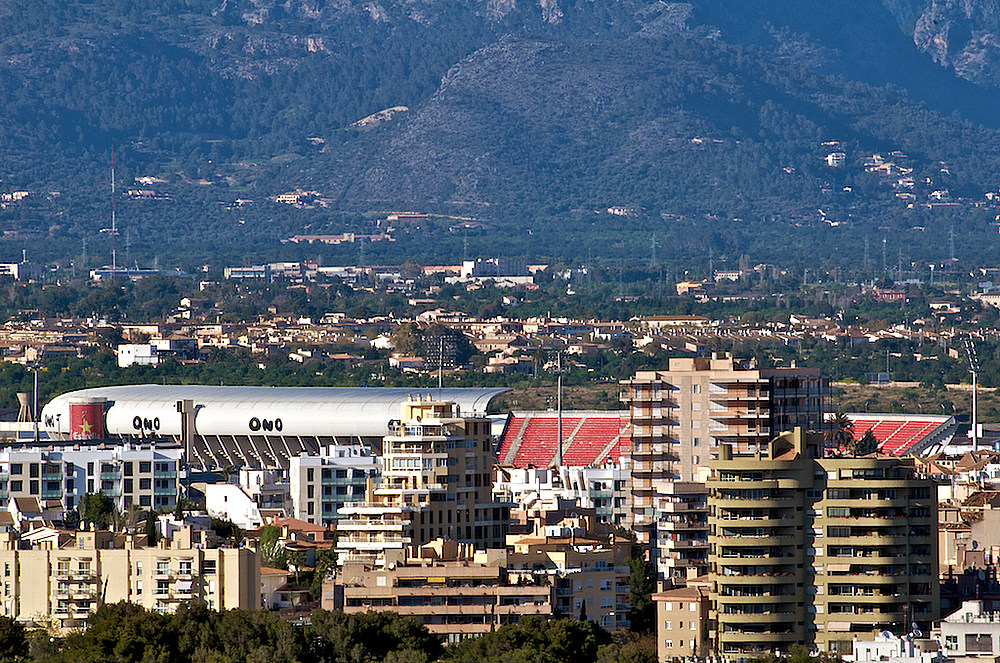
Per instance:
x=970, y=350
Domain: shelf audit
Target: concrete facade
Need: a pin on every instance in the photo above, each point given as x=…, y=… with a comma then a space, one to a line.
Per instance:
x=817, y=551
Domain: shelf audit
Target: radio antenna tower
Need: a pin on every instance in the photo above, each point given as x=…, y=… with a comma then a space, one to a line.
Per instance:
x=113, y=230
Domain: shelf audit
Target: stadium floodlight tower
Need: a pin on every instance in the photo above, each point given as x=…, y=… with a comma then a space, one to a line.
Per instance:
x=970, y=350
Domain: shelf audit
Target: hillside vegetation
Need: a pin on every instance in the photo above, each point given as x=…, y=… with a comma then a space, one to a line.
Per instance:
x=708, y=120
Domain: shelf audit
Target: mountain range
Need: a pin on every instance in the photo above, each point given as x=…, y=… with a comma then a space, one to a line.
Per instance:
x=709, y=122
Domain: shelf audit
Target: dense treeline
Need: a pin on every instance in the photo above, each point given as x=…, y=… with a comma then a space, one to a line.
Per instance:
x=126, y=633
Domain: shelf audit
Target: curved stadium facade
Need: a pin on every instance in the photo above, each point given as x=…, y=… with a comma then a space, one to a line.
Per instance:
x=246, y=426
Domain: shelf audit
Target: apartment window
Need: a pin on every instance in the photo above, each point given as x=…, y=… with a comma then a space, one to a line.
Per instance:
x=145, y=467
x=978, y=642
x=162, y=587
x=309, y=474
x=145, y=484
x=696, y=389
x=33, y=487
x=84, y=566
x=16, y=468
x=669, y=644
x=90, y=468
x=208, y=567
x=310, y=491
x=185, y=566
x=127, y=470
x=951, y=642
x=311, y=508
x=162, y=567
x=16, y=486
x=837, y=512
x=138, y=568
x=33, y=470
x=138, y=587
x=144, y=500
x=667, y=626
x=694, y=442
x=128, y=485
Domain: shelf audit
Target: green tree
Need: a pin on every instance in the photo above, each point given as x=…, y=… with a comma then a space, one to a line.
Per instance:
x=842, y=434
x=865, y=445
x=272, y=550
x=96, y=509
x=641, y=584
x=336, y=637
x=533, y=639
x=13, y=640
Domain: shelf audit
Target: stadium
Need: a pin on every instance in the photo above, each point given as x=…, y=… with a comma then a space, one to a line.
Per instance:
x=242, y=426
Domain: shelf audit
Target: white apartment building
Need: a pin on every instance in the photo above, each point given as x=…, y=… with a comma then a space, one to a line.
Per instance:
x=142, y=475
x=320, y=485
x=604, y=489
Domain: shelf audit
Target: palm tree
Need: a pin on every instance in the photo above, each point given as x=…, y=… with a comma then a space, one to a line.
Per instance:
x=842, y=433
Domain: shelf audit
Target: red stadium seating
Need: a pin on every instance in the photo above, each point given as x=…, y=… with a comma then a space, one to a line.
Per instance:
x=588, y=439
x=895, y=436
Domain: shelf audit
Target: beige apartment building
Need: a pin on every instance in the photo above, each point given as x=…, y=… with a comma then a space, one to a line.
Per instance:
x=589, y=573
x=681, y=415
x=817, y=551
x=682, y=622
x=437, y=482
x=457, y=593
x=680, y=547
x=68, y=575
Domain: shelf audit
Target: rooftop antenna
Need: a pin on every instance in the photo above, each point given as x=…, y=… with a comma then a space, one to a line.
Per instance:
x=951, y=243
x=883, y=255
x=970, y=351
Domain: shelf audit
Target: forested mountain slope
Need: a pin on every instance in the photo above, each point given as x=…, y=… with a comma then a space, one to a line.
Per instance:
x=526, y=115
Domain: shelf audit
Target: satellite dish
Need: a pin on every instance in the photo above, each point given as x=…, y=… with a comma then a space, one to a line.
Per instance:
x=975, y=545
x=917, y=633
x=886, y=634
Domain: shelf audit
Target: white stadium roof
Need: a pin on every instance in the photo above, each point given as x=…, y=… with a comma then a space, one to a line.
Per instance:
x=306, y=416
